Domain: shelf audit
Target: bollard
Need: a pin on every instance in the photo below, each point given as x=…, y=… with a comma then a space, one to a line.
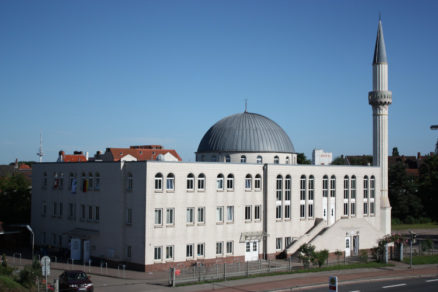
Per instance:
x=123, y=266
x=106, y=268
x=101, y=267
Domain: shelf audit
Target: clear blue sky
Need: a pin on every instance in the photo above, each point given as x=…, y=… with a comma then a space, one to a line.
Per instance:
x=97, y=74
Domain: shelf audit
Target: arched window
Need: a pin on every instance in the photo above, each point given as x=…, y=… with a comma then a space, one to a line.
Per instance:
x=258, y=182
x=333, y=186
x=259, y=159
x=325, y=186
x=248, y=182
x=279, y=187
x=55, y=180
x=190, y=182
x=287, y=160
x=130, y=182
x=353, y=195
x=365, y=195
x=61, y=180
x=220, y=182
x=45, y=180
x=97, y=182
x=214, y=158
x=90, y=181
x=372, y=194
x=287, y=196
x=170, y=182
x=276, y=160
x=227, y=159
x=158, y=182
x=346, y=194
x=230, y=182
x=311, y=195
x=303, y=196
x=201, y=182
x=243, y=159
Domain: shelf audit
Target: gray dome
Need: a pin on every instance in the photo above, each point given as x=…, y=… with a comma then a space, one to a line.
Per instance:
x=246, y=132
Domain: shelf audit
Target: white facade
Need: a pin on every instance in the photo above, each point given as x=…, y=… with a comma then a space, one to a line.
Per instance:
x=319, y=157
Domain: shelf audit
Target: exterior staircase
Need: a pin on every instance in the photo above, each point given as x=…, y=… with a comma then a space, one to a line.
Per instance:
x=307, y=237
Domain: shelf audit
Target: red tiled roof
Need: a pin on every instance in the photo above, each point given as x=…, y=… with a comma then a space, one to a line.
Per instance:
x=24, y=166
x=141, y=153
x=74, y=158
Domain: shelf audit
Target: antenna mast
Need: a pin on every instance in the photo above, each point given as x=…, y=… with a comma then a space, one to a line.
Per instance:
x=40, y=152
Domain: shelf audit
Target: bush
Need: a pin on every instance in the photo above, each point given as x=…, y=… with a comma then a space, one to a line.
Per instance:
x=306, y=252
x=363, y=256
x=319, y=257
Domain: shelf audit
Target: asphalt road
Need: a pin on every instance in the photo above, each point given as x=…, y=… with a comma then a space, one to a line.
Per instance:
x=406, y=285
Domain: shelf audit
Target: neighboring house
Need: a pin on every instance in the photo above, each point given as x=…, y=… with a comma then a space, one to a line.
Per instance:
x=245, y=198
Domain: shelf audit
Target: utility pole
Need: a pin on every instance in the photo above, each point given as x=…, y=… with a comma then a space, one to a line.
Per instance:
x=40, y=152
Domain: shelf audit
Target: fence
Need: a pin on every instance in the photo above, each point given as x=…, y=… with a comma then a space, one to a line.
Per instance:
x=421, y=247
x=223, y=271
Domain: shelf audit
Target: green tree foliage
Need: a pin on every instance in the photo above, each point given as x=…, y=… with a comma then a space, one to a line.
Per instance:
x=395, y=152
x=320, y=257
x=428, y=186
x=302, y=159
x=403, y=194
x=340, y=160
x=14, y=199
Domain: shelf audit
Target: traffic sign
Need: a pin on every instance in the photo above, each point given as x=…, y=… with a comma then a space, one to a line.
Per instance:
x=45, y=265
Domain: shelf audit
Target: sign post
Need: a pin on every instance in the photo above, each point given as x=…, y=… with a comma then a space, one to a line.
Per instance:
x=333, y=283
x=45, y=267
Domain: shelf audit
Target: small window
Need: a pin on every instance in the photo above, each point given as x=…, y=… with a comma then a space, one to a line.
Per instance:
x=201, y=215
x=333, y=186
x=257, y=214
x=90, y=213
x=248, y=182
x=227, y=159
x=200, y=249
x=230, y=213
x=201, y=182
x=220, y=182
x=287, y=160
x=243, y=159
x=157, y=253
x=278, y=212
x=97, y=213
x=129, y=216
x=247, y=213
x=189, y=250
x=170, y=182
x=278, y=243
x=158, y=216
x=258, y=182
x=158, y=182
x=279, y=187
x=130, y=182
x=190, y=216
x=276, y=160
x=170, y=220
x=90, y=181
x=230, y=247
x=190, y=182
x=97, y=182
x=220, y=248
x=259, y=159
x=169, y=252
x=230, y=182
x=219, y=214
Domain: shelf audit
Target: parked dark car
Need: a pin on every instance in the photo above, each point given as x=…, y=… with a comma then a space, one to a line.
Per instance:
x=75, y=281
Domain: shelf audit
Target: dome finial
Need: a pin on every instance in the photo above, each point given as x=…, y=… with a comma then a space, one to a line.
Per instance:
x=246, y=105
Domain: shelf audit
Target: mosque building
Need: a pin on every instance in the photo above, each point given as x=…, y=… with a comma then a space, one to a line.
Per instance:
x=245, y=198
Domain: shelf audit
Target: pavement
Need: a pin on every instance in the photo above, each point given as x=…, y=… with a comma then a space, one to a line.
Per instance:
x=107, y=279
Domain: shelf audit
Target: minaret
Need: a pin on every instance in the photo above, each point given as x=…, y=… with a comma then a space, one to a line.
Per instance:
x=380, y=98
x=40, y=153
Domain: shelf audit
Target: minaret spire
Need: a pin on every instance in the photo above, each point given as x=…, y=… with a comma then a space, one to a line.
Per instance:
x=40, y=152
x=380, y=99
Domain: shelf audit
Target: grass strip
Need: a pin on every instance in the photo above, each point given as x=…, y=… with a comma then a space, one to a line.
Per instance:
x=422, y=260
x=414, y=226
x=309, y=270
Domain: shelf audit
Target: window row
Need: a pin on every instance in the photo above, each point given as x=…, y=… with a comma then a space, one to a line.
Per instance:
x=222, y=182
x=279, y=243
x=85, y=183
x=89, y=213
x=193, y=250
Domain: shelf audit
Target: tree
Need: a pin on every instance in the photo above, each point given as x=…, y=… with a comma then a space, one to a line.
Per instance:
x=428, y=186
x=395, y=152
x=340, y=160
x=320, y=257
x=403, y=194
x=302, y=159
x=15, y=199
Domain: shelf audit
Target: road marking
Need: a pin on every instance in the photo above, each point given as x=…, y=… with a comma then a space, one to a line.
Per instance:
x=432, y=280
x=355, y=291
x=392, y=286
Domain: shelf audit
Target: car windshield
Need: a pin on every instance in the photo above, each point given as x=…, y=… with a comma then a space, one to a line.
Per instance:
x=77, y=276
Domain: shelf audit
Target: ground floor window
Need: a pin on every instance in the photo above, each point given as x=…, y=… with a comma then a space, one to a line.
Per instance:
x=229, y=247
x=157, y=253
x=200, y=249
x=169, y=252
x=278, y=242
x=189, y=250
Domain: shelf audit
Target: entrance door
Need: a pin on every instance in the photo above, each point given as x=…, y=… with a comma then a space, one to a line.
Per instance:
x=332, y=211
x=347, y=246
x=324, y=208
x=251, y=250
x=356, y=245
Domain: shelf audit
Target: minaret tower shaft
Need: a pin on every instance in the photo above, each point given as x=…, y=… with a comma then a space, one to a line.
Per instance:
x=380, y=99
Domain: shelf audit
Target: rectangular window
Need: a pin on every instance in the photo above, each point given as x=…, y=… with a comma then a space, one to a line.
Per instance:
x=287, y=241
x=278, y=212
x=302, y=210
x=158, y=217
x=230, y=213
x=90, y=213
x=258, y=182
x=61, y=209
x=287, y=186
x=97, y=184
x=70, y=210
x=229, y=247
x=325, y=187
x=278, y=243
x=345, y=208
x=169, y=216
x=372, y=207
x=200, y=249
x=55, y=209
x=220, y=183
x=257, y=213
x=365, y=208
x=220, y=248
x=201, y=215
x=190, y=183
x=129, y=216
x=169, y=252
x=248, y=181
x=97, y=213
x=129, y=251
x=247, y=213
x=353, y=187
x=201, y=183
x=310, y=210
x=190, y=216
x=170, y=183
x=43, y=209
x=189, y=250
x=158, y=183
x=219, y=214
x=287, y=211
x=248, y=247
x=157, y=253
x=279, y=187
x=353, y=208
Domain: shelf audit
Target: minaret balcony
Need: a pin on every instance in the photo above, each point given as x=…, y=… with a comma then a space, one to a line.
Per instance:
x=380, y=98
